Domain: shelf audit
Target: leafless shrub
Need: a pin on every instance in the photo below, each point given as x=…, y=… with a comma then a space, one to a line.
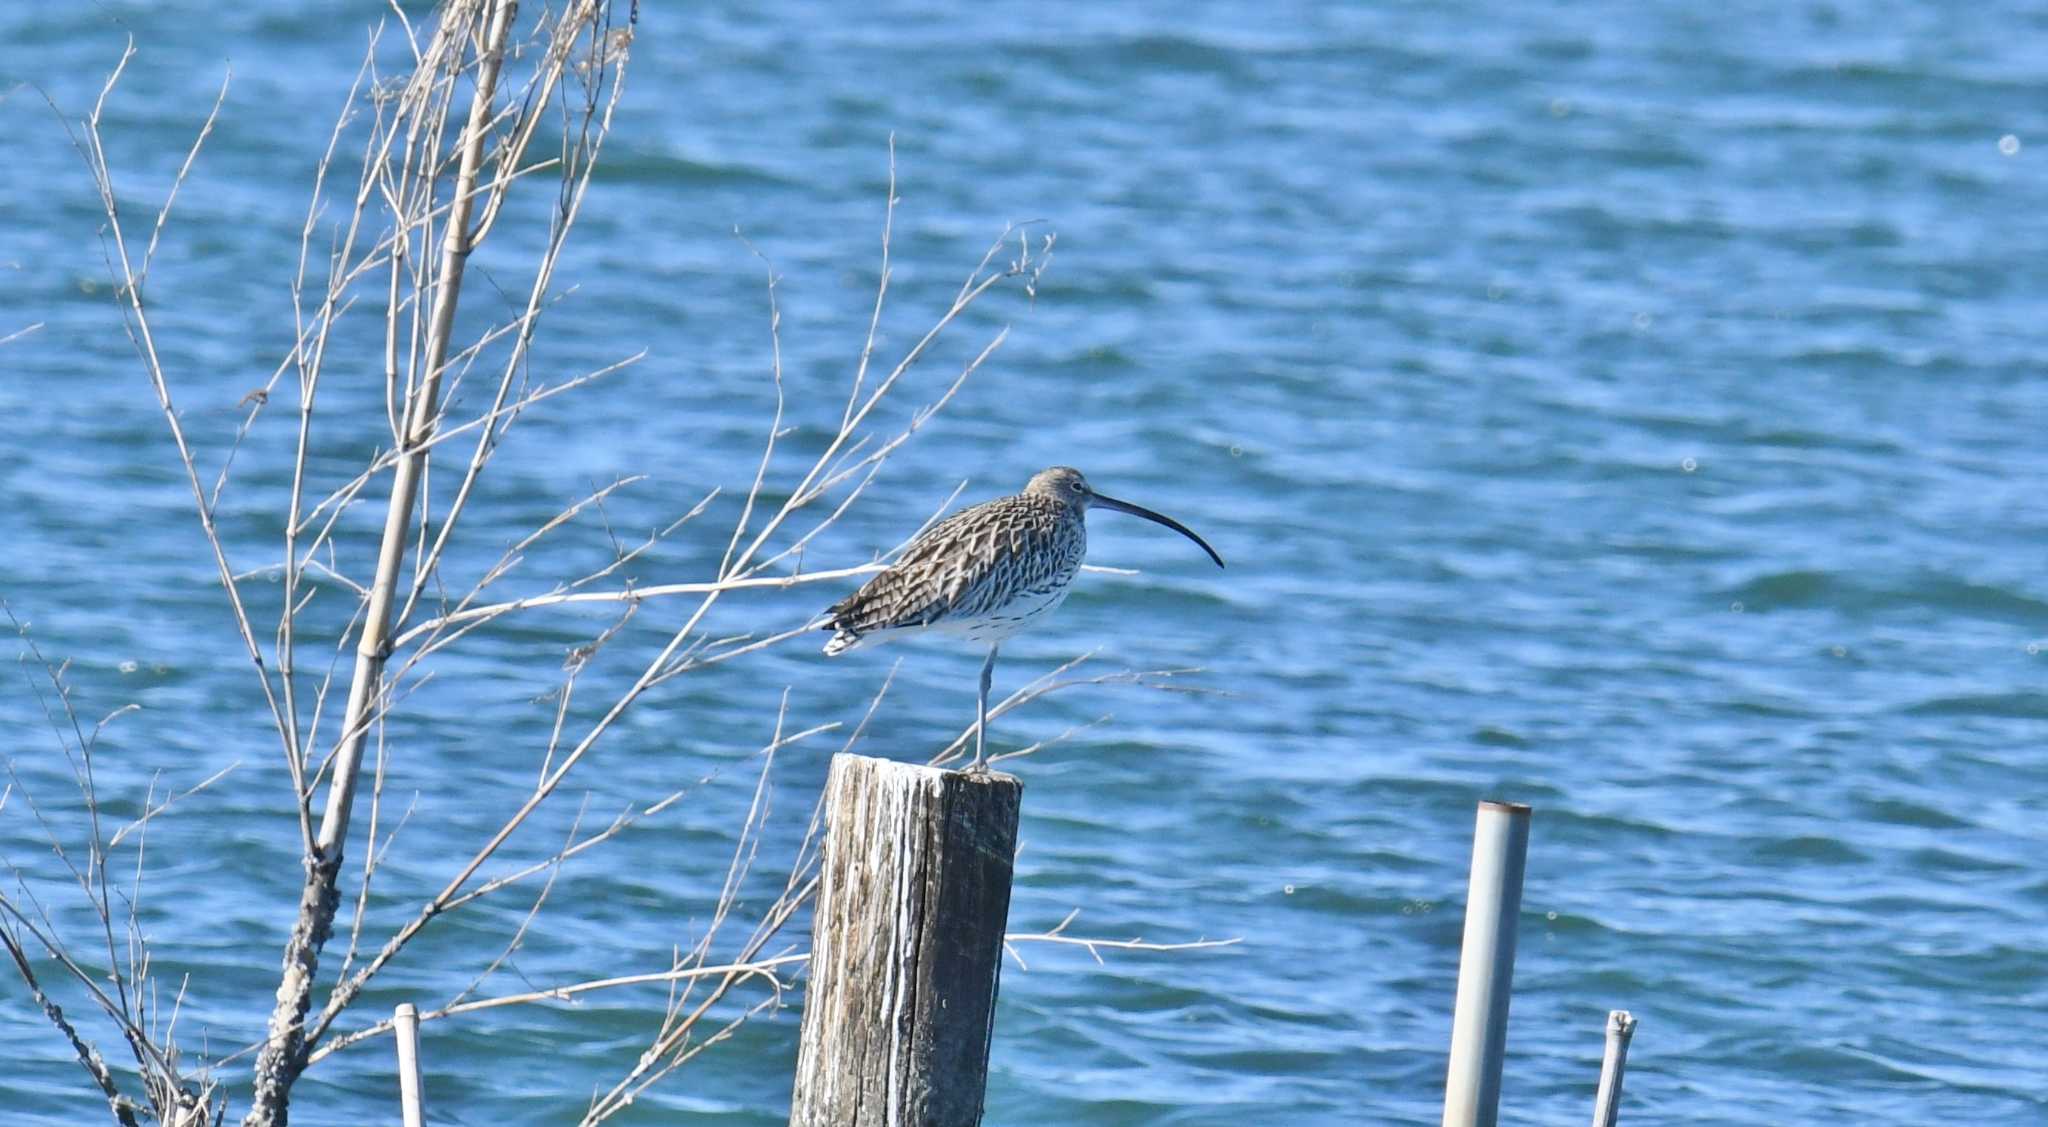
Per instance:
x=437, y=173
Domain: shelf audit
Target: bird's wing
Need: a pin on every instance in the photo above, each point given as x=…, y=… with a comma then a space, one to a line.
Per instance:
x=955, y=570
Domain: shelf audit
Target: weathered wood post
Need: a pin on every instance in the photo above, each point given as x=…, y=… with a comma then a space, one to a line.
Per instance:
x=405, y=1026
x=906, y=946
x=1486, y=966
x=1621, y=1025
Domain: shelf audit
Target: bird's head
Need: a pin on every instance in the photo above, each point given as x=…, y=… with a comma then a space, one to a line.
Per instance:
x=1062, y=483
x=1066, y=485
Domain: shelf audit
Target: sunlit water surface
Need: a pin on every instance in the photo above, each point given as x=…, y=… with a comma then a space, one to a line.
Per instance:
x=1631, y=410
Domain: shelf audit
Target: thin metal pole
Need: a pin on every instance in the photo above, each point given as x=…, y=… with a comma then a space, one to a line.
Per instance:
x=1621, y=1025
x=1486, y=969
x=405, y=1024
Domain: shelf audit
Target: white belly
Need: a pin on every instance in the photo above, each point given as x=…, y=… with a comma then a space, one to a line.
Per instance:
x=996, y=626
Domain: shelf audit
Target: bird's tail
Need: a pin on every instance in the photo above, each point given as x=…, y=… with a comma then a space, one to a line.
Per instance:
x=842, y=641
x=842, y=638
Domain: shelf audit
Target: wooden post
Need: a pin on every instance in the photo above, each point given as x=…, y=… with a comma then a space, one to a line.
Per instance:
x=1621, y=1025
x=1486, y=965
x=405, y=1025
x=906, y=947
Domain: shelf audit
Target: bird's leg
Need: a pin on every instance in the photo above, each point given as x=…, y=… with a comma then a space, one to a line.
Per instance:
x=988, y=669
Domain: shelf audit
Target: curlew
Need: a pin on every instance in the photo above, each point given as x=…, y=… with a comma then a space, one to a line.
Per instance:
x=985, y=573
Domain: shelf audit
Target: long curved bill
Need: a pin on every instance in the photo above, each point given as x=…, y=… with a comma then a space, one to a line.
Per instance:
x=1156, y=518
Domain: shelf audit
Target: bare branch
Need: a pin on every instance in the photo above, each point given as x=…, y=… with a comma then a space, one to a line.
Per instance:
x=1095, y=946
x=756, y=968
x=135, y=317
x=17, y=334
x=169, y=800
x=121, y=1106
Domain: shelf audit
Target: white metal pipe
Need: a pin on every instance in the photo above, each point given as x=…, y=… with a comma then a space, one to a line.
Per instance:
x=405, y=1025
x=1621, y=1025
x=1486, y=968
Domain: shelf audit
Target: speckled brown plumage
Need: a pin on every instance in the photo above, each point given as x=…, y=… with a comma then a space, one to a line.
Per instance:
x=985, y=572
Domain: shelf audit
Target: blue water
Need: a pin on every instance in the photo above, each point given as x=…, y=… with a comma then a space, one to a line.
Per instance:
x=1633, y=410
